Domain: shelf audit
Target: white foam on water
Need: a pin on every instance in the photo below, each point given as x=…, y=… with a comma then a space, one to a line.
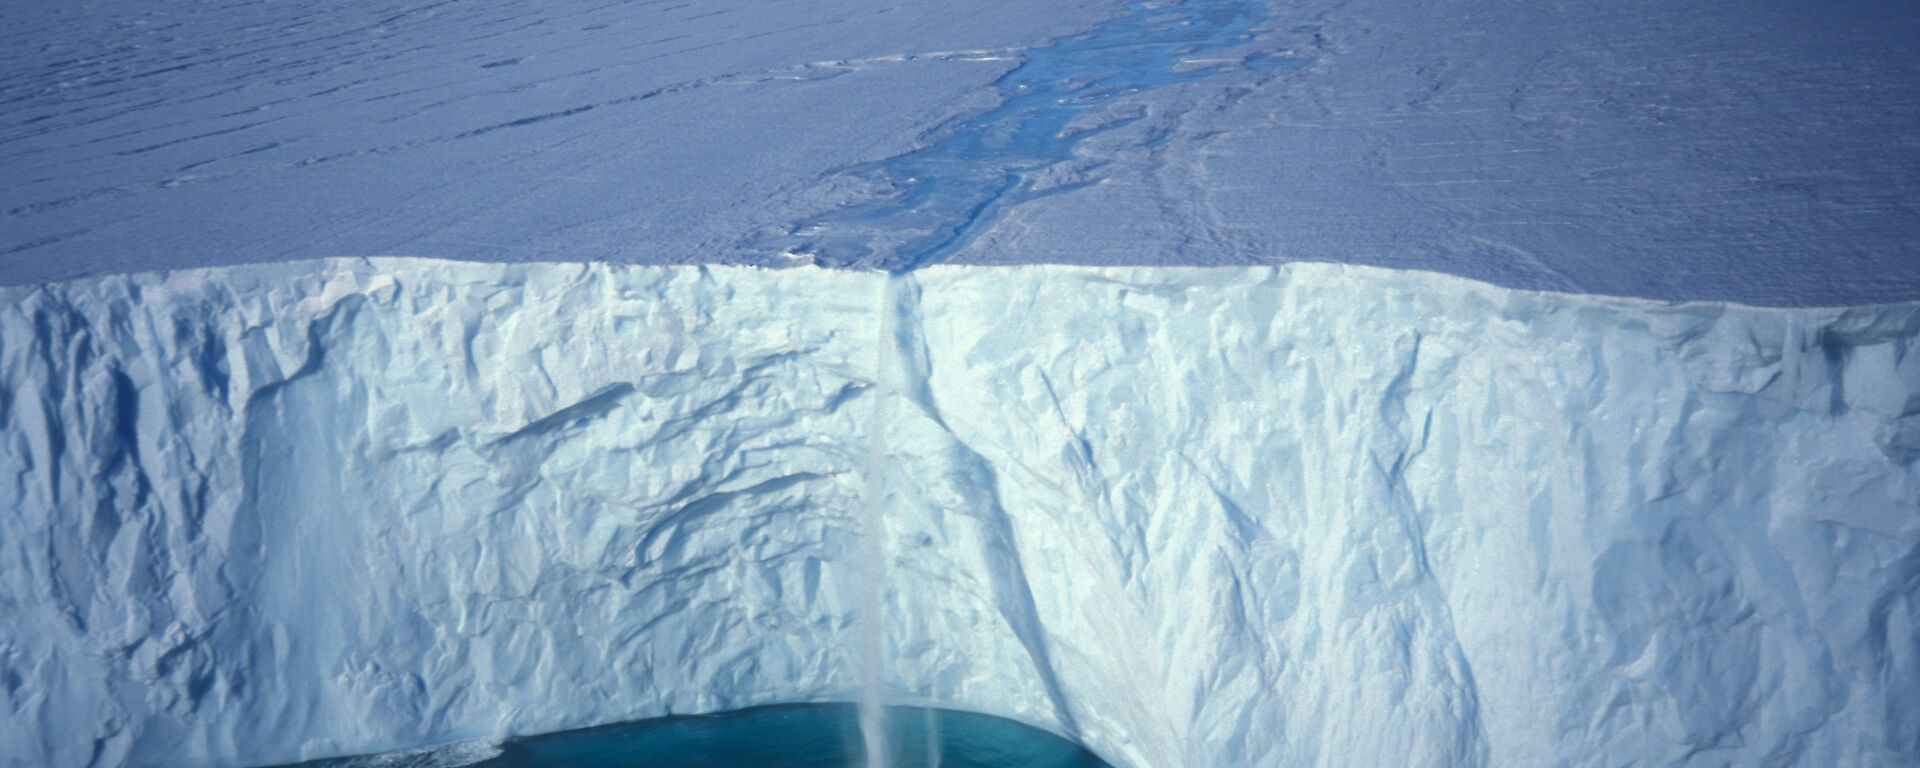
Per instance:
x=452, y=755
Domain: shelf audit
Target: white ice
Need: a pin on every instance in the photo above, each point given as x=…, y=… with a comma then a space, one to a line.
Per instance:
x=1308, y=515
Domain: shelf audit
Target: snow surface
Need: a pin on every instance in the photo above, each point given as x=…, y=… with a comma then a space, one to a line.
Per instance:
x=1306, y=515
x=1763, y=152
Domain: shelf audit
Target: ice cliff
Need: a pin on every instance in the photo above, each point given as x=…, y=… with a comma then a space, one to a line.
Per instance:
x=1193, y=518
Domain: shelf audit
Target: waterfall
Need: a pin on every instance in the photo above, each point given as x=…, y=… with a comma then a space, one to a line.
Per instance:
x=873, y=726
x=933, y=738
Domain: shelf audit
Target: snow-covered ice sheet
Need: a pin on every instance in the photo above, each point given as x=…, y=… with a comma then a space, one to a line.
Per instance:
x=137, y=136
x=1307, y=515
x=1761, y=152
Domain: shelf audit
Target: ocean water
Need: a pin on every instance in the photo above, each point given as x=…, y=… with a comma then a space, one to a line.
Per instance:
x=781, y=736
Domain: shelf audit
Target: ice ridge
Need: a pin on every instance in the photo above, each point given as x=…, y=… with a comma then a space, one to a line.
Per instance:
x=1300, y=515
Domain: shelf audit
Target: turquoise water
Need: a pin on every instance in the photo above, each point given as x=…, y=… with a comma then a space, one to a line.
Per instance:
x=783, y=736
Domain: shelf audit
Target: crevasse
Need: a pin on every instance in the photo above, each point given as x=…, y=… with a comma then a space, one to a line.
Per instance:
x=1307, y=515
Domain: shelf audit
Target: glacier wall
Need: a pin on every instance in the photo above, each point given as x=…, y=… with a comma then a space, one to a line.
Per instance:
x=1308, y=515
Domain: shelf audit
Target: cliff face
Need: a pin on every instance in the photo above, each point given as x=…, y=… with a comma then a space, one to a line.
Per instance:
x=1189, y=517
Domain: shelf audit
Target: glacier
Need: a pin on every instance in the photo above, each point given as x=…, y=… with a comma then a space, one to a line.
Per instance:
x=1308, y=514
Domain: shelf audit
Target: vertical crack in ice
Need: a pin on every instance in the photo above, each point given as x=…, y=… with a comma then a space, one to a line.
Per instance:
x=933, y=201
x=973, y=476
x=1405, y=441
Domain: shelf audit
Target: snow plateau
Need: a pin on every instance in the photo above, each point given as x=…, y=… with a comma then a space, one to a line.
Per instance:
x=1299, y=515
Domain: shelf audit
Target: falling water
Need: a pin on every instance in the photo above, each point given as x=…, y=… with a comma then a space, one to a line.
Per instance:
x=873, y=553
x=933, y=738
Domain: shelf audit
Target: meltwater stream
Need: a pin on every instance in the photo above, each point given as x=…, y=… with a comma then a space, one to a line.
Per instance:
x=938, y=198
x=933, y=201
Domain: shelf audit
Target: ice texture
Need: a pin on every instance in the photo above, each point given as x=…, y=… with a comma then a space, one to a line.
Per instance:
x=1272, y=516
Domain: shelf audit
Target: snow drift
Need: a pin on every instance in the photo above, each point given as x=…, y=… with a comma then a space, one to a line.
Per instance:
x=1309, y=515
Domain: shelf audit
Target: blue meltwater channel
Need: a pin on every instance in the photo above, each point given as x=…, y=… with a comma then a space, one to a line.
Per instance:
x=934, y=200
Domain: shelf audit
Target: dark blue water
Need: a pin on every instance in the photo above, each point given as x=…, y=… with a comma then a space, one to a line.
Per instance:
x=937, y=199
x=783, y=736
